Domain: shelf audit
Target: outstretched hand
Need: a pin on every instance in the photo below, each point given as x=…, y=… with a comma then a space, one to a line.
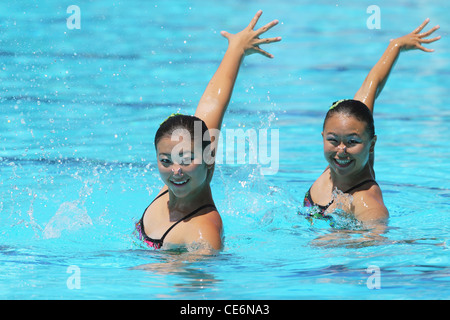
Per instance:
x=415, y=39
x=248, y=39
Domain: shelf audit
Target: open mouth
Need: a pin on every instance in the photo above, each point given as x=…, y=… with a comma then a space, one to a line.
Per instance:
x=180, y=182
x=342, y=163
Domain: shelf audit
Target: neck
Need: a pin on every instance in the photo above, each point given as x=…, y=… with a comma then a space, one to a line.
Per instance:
x=348, y=181
x=180, y=207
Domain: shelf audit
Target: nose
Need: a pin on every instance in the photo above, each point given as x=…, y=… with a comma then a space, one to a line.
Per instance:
x=342, y=148
x=177, y=171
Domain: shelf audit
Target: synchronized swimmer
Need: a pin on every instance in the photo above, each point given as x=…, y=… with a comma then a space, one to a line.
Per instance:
x=184, y=213
x=349, y=140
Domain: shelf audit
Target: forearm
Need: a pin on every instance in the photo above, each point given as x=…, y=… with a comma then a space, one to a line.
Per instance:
x=376, y=79
x=215, y=99
x=380, y=72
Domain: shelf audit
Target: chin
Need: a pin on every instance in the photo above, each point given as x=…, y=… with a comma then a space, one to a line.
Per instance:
x=341, y=171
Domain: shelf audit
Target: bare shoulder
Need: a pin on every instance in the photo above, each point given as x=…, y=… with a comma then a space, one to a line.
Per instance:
x=321, y=183
x=156, y=208
x=206, y=228
x=369, y=205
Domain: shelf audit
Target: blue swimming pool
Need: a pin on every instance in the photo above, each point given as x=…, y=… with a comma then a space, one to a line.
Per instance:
x=79, y=109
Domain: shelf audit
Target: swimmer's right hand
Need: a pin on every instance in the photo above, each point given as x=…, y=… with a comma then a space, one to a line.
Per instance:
x=415, y=39
x=248, y=39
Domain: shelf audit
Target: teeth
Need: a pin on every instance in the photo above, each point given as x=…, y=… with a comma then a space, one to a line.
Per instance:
x=342, y=161
x=179, y=182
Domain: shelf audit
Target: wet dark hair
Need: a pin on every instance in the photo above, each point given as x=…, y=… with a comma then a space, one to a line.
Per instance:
x=181, y=121
x=353, y=108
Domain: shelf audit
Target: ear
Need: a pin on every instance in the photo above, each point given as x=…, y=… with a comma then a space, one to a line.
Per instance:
x=210, y=172
x=209, y=157
x=372, y=144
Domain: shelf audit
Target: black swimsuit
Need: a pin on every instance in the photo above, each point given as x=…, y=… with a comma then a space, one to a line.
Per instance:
x=157, y=243
x=308, y=202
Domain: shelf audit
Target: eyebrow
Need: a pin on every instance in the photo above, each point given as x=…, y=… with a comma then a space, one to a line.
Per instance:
x=347, y=135
x=170, y=154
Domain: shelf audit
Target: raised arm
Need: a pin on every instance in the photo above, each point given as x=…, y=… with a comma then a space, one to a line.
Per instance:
x=377, y=77
x=215, y=99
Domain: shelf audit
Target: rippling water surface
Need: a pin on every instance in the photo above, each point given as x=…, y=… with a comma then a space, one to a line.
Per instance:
x=79, y=109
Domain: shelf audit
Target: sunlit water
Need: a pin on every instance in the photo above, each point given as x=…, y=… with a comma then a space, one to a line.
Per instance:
x=79, y=109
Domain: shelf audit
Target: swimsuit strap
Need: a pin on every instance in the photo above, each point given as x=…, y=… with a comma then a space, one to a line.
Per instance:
x=141, y=221
x=308, y=201
x=187, y=217
x=158, y=242
x=359, y=185
x=159, y=196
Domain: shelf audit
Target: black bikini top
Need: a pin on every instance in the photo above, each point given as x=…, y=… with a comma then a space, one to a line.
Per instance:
x=308, y=201
x=157, y=243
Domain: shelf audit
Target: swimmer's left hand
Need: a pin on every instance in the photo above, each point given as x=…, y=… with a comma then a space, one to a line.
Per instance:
x=415, y=39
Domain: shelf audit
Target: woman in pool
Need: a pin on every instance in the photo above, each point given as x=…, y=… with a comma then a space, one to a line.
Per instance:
x=184, y=213
x=349, y=141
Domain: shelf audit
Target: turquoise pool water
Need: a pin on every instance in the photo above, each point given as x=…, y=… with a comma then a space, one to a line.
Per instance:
x=78, y=113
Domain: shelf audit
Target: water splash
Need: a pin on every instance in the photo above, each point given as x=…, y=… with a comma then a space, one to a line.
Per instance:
x=71, y=215
x=342, y=215
x=338, y=216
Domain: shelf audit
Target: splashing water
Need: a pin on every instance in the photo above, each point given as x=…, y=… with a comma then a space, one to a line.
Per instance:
x=71, y=216
x=340, y=212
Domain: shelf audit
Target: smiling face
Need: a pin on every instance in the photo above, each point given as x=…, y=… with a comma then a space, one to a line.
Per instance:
x=183, y=172
x=346, y=144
